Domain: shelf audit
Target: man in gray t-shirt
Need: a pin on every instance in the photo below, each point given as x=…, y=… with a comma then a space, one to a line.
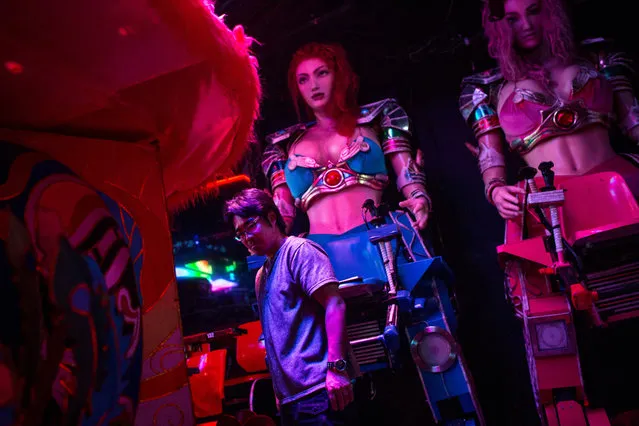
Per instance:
x=302, y=315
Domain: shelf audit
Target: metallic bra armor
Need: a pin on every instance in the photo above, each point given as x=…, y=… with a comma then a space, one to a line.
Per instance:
x=480, y=92
x=334, y=178
x=395, y=131
x=560, y=118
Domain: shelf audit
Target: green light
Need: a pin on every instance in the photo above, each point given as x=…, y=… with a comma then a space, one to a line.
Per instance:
x=232, y=267
x=201, y=266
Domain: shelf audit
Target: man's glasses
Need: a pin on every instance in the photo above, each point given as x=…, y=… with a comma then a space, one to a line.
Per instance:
x=249, y=228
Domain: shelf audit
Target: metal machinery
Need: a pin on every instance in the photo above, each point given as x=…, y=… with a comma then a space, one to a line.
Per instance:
x=575, y=249
x=395, y=290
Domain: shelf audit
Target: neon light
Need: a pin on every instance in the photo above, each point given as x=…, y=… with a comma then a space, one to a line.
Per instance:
x=203, y=266
x=204, y=269
x=182, y=272
x=199, y=269
x=228, y=181
x=221, y=284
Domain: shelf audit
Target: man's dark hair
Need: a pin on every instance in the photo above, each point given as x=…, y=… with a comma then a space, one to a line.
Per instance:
x=253, y=202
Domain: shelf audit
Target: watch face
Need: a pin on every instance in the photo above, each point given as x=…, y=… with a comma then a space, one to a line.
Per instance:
x=340, y=365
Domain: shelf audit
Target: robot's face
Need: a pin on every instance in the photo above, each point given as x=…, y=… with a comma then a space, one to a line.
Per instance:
x=315, y=82
x=524, y=18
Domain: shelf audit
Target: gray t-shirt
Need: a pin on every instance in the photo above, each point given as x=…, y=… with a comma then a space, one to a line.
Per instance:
x=292, y=320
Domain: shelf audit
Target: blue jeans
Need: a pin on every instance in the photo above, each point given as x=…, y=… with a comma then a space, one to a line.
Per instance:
x=315, y=410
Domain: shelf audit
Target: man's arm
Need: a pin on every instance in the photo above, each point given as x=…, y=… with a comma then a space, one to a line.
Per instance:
x=338, y=385
x=314, y=272
x=328, y=296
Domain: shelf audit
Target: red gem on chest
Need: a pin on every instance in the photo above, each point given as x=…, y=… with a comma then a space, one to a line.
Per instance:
x=565, y=118
x=333, y=178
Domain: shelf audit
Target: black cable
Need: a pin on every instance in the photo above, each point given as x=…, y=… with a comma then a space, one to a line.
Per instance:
x=364, y=210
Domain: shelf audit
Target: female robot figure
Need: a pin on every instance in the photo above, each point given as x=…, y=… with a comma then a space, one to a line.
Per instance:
x=546, y=102
x=335, y=169
x=330, y=168
x=551, y=101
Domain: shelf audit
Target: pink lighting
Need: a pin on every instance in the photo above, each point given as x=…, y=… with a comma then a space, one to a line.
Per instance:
x=13, y=67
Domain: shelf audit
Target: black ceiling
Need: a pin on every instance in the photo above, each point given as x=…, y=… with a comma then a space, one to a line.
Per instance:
x=387, y=41
x=381, y=37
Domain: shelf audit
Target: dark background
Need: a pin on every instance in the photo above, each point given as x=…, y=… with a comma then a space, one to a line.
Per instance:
x=417, y=52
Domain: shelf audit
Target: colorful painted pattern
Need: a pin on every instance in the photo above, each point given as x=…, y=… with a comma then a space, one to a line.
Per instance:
x=72, y=333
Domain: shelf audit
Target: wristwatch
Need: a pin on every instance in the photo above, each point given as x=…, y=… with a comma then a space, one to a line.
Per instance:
x=338, y=365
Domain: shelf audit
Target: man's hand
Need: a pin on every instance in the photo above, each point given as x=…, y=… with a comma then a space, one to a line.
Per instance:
x=339, y=388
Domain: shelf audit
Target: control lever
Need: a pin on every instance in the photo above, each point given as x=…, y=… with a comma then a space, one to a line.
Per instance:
x=377, y=212
x=383, y=240
x=370, y=206
x=549, y=176
x=581, y=297
x=526, y=173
